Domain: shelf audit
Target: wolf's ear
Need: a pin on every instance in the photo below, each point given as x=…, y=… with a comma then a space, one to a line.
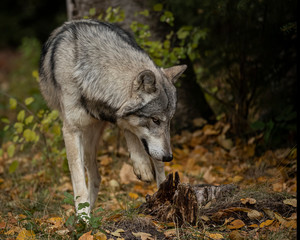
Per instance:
x=173, y=73
x=145, y=82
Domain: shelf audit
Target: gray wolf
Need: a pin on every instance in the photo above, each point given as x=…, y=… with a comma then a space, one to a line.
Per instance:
x=93, y=73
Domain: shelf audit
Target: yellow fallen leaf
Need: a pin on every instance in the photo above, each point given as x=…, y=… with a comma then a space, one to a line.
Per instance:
x=56, y=221
x=266, y=223
x=237, y=179
x=215, y=235
x=133, y=195
x=236, y=224
x=86, y=236
x=253, y=225
x=143, y=235
x=292, y=202
x=26, y=235
x=10, y=232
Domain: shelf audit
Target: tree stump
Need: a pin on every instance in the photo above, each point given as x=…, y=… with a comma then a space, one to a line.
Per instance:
x=182, y=202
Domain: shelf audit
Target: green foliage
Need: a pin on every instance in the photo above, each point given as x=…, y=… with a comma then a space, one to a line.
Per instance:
x=28, y=130
x=82, y=223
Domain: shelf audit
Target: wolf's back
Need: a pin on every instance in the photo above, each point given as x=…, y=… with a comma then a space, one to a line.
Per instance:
x=92, y=59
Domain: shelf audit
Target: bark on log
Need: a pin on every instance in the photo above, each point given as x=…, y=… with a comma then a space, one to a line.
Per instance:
x=182, y=202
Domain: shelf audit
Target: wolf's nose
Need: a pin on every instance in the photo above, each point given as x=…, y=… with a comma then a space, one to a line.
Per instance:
x=168, y=158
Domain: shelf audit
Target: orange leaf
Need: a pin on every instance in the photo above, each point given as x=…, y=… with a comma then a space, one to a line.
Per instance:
x=133, y=195
x=236, y=224
x=26, y=235
x=86, y=236
x=266, y=223
x=215, y=236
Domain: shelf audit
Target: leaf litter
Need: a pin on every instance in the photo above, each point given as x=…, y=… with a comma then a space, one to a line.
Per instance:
x=263, y=205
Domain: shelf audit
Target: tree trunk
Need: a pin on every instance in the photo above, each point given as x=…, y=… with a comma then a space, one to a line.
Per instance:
x=191, y=101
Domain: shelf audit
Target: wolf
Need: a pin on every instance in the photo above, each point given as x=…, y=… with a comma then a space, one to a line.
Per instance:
x=94, y=72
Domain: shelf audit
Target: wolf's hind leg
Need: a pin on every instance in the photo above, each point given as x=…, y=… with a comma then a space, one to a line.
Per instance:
x=74, y=148
x=91, y=138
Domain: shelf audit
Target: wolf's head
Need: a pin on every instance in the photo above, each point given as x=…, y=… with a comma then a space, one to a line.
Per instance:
x=147, y=114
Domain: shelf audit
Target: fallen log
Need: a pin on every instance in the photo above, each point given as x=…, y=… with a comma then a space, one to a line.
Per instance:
x=182, y=202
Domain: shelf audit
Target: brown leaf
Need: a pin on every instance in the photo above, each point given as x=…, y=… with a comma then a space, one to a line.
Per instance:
x=209, y=130
x=117, y=232
x=253, y=214
x=127, y=175
x=235, y=235
x=248, y=200
x=236, y=224
x=292, y=202
x=170, y=232
x=100, y=236
x=143, y=235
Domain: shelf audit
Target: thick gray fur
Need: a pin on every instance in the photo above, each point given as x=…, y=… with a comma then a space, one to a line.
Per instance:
x=94, y=72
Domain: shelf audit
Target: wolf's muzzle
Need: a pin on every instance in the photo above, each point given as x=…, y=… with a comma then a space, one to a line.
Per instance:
x=167, y=158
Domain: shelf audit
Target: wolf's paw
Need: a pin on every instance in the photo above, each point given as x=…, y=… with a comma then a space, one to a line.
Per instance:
x=144, y=172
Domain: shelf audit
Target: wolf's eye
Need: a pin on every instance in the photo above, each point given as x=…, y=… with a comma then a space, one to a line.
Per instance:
x=156, y=121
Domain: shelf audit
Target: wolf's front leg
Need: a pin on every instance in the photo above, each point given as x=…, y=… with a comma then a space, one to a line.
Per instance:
x=142, y=165
x=75, y=155
x=160, y=175
x=90, y=137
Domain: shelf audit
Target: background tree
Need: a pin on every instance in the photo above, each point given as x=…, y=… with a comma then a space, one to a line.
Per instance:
x=247, y=61
x=191, y=101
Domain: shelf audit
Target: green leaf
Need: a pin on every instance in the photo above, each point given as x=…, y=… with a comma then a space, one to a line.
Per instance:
x=19, y=127
x=5, y=120
x=92, y=12
x=21, y=116
x=144, y=13
x=16, y=138
x=29, y=119
x=83, y=205
x=158, y=7
x=11, y=150
x=29, y=135
x=1, y=152
x=69, y=198
x=28, y=100
x=13, y=166
x=70, y=221
x=12, y=103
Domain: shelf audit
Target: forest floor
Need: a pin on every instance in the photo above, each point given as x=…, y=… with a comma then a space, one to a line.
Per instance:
x=36, y=200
